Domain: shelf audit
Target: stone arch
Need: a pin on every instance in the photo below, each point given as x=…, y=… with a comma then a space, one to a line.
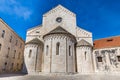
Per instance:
x=30, y=53
x=3, y=33
x=5, y=66
x=70, y=54
x=47, y=50
x=59, y=45
x=57, y=48
x=34, y=64
x=85, y=54
x=0, y=46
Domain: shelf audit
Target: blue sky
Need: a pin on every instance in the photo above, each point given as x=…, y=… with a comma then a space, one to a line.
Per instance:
x=101, y=17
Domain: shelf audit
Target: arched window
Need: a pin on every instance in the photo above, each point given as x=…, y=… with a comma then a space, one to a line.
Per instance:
x=85, y=54
x=47, y=49
x=69, y=50
x=57, y=48
x=21, y=65
x=21, y=45
x=14, y=54
x=10, y=38
x=17, y=66
x=3, y=33
x=12, y=66
x=19, y=55
x=16, y=42
x=5, y=65
x=8, y=52
x=0, y=46
x=30, y=52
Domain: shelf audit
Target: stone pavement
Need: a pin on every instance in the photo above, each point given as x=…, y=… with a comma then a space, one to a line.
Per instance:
x=60, y=77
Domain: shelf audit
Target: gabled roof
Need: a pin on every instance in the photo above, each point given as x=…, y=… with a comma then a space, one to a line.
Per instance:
x=58, y=7
x=107, y=42
x=81, y=30
x=83, y=43
x=59, y=30
x=34, y=27
x=35, y=41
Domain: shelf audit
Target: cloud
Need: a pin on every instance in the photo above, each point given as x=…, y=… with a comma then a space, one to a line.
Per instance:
x=14, y=7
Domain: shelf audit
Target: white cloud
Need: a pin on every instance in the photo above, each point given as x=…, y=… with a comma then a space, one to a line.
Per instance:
x=13, y=7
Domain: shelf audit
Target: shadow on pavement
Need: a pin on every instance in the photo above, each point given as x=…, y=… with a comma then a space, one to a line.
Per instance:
x=12, y=74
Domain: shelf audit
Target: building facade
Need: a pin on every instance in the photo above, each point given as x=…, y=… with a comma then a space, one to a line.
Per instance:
x=106, y=55
x=58, y=45
x=11, y=49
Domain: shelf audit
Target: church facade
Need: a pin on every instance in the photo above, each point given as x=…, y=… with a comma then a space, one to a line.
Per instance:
x=58, y=45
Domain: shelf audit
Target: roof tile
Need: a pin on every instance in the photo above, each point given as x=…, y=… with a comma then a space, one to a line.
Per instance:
x=107, y=42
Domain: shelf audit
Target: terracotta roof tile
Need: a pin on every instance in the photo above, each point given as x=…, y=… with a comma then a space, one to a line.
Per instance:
x=107, y=42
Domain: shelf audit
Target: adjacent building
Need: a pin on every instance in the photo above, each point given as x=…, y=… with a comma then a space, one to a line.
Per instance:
x=106, y=54
x=11, y=49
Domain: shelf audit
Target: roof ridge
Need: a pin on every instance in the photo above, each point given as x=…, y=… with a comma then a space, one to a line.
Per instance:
x=57, y=28
x=34, y=40
x=34, y=27
x=59, y=7
x=107, y=37
x=83, y=42
x=107, y=42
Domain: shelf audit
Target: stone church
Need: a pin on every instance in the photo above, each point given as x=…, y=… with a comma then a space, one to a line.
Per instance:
x=58, y=45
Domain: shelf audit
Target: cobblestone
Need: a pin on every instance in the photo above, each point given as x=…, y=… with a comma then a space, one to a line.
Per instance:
x=61, y=77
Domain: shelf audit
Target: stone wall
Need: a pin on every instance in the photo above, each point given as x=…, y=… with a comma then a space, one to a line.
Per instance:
x=84, y=59
x=63, y=62
x=11, y=52
x=33, y=57
x=68, y=20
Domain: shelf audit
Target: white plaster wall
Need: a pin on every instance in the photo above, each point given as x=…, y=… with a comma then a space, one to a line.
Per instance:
x=113, y=66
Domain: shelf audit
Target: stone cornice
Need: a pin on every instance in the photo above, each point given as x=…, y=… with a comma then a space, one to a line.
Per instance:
x=34, y=27
x=58, y=8
x=11, y=29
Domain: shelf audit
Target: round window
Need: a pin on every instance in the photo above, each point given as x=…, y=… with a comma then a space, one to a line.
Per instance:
x=59, y=19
